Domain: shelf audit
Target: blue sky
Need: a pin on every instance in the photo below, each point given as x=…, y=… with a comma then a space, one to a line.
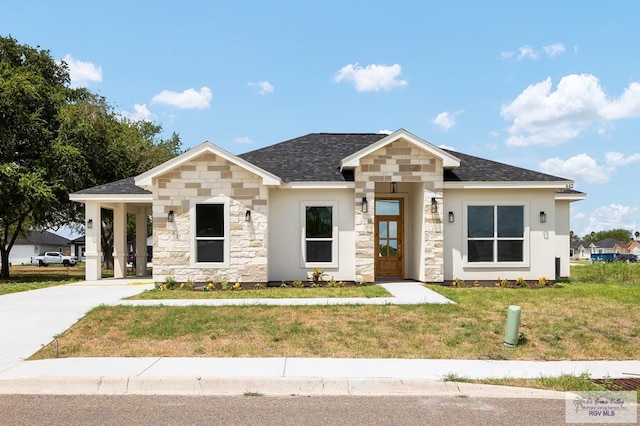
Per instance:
x=549, y=86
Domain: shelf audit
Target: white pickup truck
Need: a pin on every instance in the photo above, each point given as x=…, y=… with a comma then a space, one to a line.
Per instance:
x=53, y=257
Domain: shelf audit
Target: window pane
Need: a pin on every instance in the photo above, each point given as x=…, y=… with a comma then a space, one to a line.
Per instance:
x=480, y=221
x=382, y=225
x=210, y=220
x=393, y=229
x=319, y=251
x=393, y=248
x=387, y=207
x=210, y=251
x=510, y=221
x=319, y=222
x=480, y=251
x=510, y=251
x=384, y=248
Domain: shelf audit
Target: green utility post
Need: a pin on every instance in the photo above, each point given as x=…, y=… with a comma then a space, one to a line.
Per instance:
x=513, y=324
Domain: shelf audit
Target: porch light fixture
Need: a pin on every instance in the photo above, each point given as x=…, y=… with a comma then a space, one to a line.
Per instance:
x=451, y=217
x=434, y=205
x=543, y=217
x=90, y=224
x=365, y=205
x=394, y=187
x=247, y=216
x=171, y=216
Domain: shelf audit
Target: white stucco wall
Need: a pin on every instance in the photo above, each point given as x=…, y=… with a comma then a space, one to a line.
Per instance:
x=542, y=242
x=563, y=237
x=285, y=248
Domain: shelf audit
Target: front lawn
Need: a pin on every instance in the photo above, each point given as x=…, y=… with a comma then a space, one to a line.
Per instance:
x=266, y=293
x=580, y=321
x=24, y=278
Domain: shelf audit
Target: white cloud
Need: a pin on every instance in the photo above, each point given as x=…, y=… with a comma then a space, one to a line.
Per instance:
x=372, y=78
x=579, y=168
x=506, y=54
x=450, y=148
x=554, y=49
x=82, y=73
x=446, y=120
x=244, y=140
x=187, y=99
x=613, y=216
x=527, y=52
x=494, y=134
x=140, y=112
x=385, y=132
x=616, y=159
x=543, y=116
x=264, y=86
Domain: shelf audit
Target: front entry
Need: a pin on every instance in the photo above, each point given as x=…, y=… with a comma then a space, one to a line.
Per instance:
x=389, y=237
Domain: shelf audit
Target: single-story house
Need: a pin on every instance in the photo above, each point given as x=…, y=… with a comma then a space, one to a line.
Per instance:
x=77, y=248
x=580, y=250
x=36, y=243
x=361, y=207
x=632, y=247
x=608, y=246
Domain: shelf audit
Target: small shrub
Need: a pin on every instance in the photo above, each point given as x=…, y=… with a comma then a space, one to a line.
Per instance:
x=284, y=284
x=332, y=283
x=476, y=283
x=258, y=286
x=237, y=286
x=504, y=283
x=298, y=284
x=189, y=285
x=210, y=286
x=457, y=282
x=520, y=282
x=317, y=277
x=340, y=284
x=169, y=283
x=224, y=285
x=543, y=281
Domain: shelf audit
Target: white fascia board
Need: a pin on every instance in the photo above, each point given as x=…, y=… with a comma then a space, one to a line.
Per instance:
x=319, y=185
x=448, y=160
x=146, y=178
x=115, y=198
x=561, y=196
x=505, y=185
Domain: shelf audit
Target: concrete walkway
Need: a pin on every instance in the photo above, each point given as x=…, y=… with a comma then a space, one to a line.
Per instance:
x=32, y=319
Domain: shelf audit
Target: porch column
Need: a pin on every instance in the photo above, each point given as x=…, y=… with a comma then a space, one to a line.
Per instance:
x=141, y=241
x=119, y=241
x=93, y=246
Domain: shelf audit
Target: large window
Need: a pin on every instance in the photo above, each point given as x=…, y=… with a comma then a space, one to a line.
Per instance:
x=495, y=234
x=210, y=233
x=319, y=234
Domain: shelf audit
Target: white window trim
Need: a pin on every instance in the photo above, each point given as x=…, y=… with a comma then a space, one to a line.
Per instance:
x=303, y=231
x=193, y=245
x=526, y=235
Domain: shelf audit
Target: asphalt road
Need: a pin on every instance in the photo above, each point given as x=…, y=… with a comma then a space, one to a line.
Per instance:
x=261, y=410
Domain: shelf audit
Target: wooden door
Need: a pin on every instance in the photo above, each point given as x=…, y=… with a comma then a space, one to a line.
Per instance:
x=389, y=234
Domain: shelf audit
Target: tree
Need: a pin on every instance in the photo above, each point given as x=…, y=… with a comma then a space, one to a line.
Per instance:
x=55, y=140
x=33, y=86
x=617, y=234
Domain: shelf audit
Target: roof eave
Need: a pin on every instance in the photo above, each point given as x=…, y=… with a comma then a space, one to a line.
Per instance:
x=125, y=198
x=506, y=184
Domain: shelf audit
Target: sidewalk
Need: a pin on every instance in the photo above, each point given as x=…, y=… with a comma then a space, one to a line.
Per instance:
x=29, y=320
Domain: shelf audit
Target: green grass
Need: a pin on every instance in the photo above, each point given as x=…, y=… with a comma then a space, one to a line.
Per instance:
x=25, y=278
x=267, y=293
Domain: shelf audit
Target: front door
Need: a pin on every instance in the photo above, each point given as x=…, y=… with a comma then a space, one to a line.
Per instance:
x=389, y=242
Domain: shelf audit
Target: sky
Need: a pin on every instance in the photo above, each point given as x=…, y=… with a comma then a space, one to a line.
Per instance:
x=547, y=85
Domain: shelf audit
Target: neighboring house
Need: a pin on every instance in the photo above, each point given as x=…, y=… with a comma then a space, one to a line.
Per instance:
x=632, y=247
x=361, y=207
x=77, y=248
x=608, y=246
x=37, y=243
x=580, y=250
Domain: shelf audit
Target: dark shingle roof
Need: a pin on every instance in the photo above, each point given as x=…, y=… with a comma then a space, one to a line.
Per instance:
x=476, y=169
x=609, y=243
x=121, y=187
x=43, y=237
x=313, y=157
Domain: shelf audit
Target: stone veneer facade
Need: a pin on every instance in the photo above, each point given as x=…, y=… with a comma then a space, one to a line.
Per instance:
x=399, y=162
x=205, y=177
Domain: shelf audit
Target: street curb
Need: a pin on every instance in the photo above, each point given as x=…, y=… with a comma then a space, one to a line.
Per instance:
x=215, y=386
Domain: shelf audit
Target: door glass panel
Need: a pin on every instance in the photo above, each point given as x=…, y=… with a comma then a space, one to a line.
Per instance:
x=393, y=229
x=383, y=229
x=383, y=249
x=387, y=207
x=393, y=247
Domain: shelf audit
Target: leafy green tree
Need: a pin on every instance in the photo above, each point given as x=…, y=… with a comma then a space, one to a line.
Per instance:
x=617, y=234
x=55, y=140
x=33, y=86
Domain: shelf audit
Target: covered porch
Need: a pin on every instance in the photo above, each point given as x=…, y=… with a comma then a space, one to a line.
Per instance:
x=122, y=198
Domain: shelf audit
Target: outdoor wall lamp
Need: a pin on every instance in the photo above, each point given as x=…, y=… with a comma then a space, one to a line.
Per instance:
x=365, y=205
x=543, y=217
x=434, y=205
x=171, y=216
x=247, y=216
x=90, y=224
x=394, y=187
x=451, y=217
